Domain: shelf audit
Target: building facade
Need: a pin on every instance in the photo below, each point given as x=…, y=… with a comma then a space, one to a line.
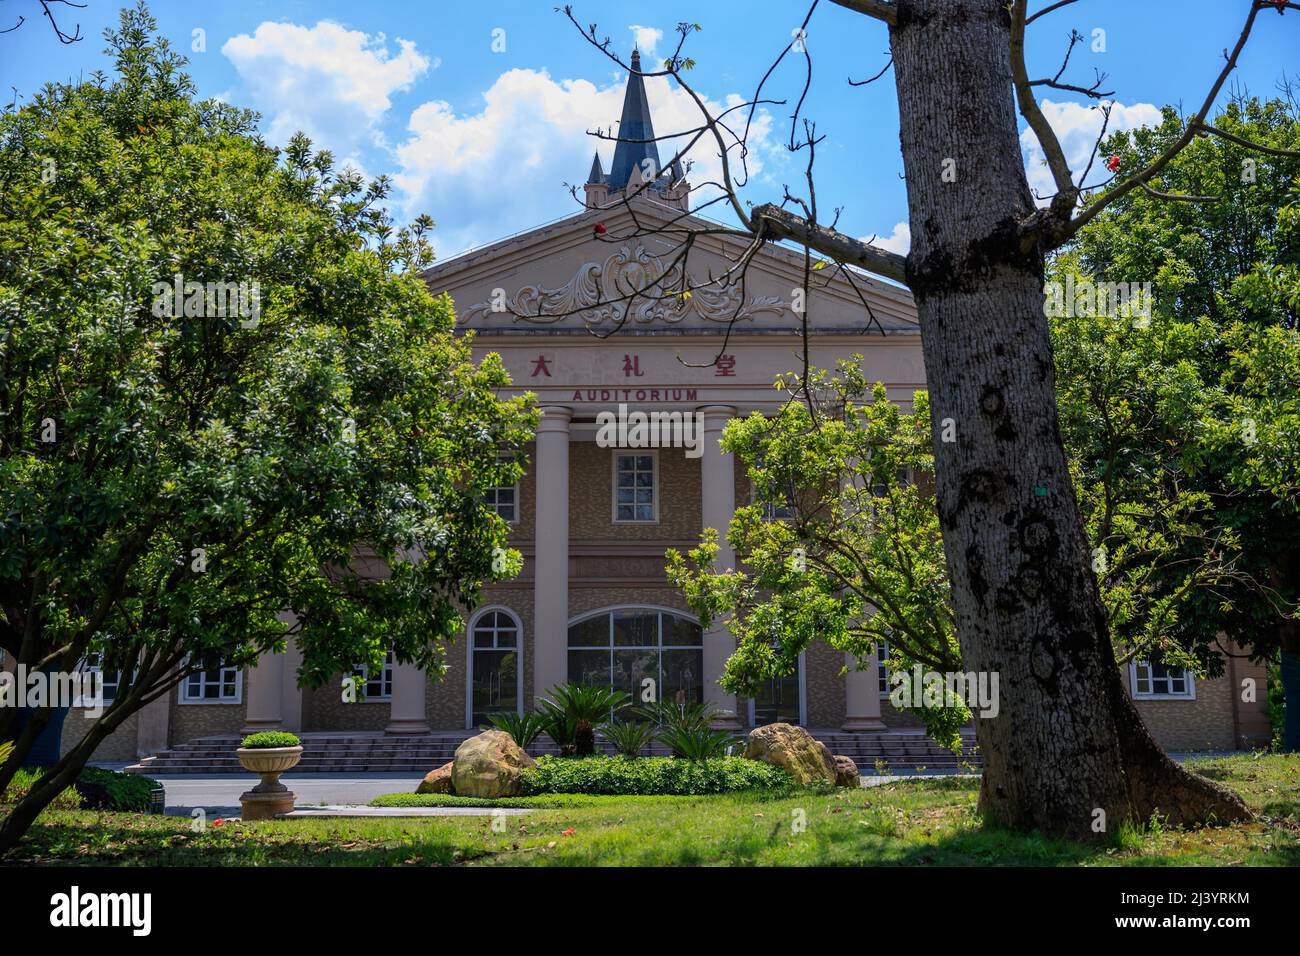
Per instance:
x=558, y=304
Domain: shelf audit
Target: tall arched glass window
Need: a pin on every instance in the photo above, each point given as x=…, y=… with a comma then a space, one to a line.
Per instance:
x=626, y=647
x=494, y=666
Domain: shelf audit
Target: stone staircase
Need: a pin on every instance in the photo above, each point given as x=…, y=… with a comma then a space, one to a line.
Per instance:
x=339, y=753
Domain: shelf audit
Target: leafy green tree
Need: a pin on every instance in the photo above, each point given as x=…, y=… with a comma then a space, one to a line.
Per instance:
x=1182, y=438
x=1206, y=397
x=172, y=484
x=840, y=545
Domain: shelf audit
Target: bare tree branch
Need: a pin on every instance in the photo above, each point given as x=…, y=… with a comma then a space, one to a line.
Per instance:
x=878, y=9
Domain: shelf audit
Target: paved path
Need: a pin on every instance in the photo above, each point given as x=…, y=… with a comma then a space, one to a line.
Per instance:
x=218, y=794
x=350, y=811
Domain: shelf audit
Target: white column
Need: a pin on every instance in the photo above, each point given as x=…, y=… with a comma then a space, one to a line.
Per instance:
x=718, y=504
x=862, y=696
x=290, y=692
x=264, y=694
x=551, y=552
x=406, y=712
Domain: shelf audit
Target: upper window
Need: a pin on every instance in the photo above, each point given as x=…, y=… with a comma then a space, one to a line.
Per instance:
x=1157, y=680
x=504, y=500
x=379, y=686
x=636, y=496
x=882, y=654
x=217, y=685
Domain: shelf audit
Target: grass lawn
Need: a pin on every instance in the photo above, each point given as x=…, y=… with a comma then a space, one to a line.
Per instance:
x=928, y=821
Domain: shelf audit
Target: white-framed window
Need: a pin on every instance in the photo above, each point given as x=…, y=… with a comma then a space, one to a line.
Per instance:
x=771, y=511
x=495, y=680
x=636, y=487
x=623, y=647
x=217, y=685
x=93, y=663
x=1159, y=682
x=882, y=653
x=380, y=686
x=504, y=500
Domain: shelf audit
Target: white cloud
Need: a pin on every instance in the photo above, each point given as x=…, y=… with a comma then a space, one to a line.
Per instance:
x=1077, y=127
x=488, y=174
x=647, y=38
x=332, y=83
x=900, y=240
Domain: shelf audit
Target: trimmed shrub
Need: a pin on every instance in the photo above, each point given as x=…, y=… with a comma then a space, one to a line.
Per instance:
x=651, y=776
x=102, y=789
x=266, y=739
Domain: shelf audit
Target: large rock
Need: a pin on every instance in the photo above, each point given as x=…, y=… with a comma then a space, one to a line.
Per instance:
x=436, y=781
x=796, y=751
x=488, y=766
x=846, y=772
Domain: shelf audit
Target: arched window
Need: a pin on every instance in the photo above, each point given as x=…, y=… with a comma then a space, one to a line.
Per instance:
x=493, y=665
x=626, y=648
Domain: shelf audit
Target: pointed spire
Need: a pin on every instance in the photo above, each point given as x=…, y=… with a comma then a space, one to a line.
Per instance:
x=597, y=174
x=635, y=125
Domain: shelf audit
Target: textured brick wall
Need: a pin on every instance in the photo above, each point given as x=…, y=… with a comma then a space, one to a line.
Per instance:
x=119, y=745
x=591, y=496
x=323, y=709
x=1205, y=723
x=189, y=721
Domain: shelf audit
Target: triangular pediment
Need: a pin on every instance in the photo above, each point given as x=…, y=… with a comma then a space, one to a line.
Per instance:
x=626, y=268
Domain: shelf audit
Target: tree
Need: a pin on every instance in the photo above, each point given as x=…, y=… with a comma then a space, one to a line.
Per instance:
x=1205, y=394
x=839, y=544
x=1067, y=753
x=224, y=392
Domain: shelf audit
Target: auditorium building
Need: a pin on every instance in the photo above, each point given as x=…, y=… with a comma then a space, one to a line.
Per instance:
x=593, y=522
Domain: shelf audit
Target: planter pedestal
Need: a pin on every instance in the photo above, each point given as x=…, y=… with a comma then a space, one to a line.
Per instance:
x=270, y=798
x=265, y=806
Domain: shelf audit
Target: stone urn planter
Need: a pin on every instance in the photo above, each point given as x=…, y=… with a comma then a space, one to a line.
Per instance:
x=270, y=798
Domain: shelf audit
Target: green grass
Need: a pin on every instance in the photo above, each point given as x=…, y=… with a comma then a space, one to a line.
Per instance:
x=929, y=821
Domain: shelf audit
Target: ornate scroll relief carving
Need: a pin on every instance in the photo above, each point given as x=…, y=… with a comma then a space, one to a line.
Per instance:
x=603, y=292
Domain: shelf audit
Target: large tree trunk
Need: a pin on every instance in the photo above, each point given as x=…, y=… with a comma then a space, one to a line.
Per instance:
x=1067, y=744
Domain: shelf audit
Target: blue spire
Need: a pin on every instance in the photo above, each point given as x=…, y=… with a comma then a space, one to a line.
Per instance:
x=636, y=125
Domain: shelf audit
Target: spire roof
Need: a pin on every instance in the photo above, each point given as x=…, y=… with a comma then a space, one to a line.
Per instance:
x=597, y=174
x=636, y=133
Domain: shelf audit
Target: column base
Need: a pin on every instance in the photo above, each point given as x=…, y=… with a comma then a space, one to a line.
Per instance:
x=863, y=725
x=407, y=728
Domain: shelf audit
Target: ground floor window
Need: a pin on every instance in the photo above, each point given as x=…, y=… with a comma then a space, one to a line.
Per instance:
x=778, y=700
x=216, y=685
x=1157, y=680
x=378, y=686
x=494, y=665
x=636, y=650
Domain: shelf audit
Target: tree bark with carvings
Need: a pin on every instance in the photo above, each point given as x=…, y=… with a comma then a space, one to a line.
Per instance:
x=1067, y=753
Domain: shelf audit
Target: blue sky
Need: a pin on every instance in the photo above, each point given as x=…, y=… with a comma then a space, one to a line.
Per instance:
x=479, y=111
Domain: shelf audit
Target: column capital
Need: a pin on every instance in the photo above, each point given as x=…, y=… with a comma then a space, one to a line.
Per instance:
x=555, y=418
x=716, y=416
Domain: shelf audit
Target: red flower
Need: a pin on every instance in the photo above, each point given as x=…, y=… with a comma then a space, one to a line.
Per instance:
x=568, y=832
x=1113, y=164
x=599, y=229
x=218, y=822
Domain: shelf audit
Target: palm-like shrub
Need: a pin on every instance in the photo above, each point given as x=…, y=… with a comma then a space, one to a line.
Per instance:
x=696, y=743
x=684, y=729
x=524, y=728
x=585, y=705
x=629, y=737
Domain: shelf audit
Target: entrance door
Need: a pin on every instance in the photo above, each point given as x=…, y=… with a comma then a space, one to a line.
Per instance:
x=779, y=700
